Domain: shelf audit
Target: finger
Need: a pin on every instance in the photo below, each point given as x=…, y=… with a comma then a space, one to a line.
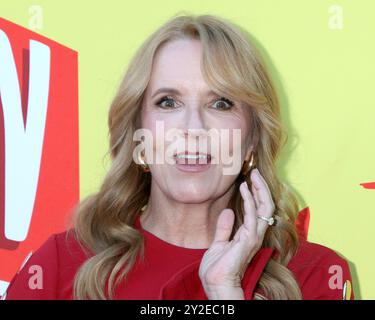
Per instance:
x=224, y=225
x=250, y=216
x=255, y=195
x=266, y=205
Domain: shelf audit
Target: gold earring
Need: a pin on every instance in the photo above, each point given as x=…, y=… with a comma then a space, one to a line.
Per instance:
x=142, y=162
x=248, y=165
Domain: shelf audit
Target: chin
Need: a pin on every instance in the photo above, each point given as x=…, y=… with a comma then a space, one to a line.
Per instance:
x=189, y=195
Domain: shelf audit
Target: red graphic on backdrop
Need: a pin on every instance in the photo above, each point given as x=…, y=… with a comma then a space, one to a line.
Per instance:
x=39, y=159
x=368, y=185
x=303, y=222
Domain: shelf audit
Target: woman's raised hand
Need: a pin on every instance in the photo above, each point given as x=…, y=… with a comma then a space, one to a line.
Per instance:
x=225, y=261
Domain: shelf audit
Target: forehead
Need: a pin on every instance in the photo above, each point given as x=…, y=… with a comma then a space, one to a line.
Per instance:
x=177, y=64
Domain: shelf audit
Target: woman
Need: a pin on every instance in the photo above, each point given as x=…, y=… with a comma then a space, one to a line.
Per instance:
x=183, y=229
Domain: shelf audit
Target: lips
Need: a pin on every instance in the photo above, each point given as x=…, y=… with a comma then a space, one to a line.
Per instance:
x=192, y=158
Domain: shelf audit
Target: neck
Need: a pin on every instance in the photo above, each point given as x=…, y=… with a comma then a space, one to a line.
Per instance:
x=190, y=225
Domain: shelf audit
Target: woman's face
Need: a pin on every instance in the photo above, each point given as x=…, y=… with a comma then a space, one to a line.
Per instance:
x=188, y=106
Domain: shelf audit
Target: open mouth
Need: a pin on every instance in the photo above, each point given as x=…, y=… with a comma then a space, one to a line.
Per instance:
x=192, y=159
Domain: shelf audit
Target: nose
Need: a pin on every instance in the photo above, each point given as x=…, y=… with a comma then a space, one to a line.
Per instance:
x=195, y=125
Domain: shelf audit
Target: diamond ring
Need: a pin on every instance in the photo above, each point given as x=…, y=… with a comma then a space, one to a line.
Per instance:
x=270, y=221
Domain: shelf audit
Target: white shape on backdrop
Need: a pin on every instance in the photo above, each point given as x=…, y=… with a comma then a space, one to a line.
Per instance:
x=23, y=146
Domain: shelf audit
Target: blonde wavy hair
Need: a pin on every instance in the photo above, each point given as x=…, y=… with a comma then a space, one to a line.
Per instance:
x=104, y=221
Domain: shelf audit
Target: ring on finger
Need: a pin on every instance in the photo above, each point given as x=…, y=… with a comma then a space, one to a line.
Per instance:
x=270, y=221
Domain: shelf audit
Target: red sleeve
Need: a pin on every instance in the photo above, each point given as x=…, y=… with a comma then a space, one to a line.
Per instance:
x=38, y=278
x=323, y=274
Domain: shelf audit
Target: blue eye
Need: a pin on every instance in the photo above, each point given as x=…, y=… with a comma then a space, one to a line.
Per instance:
x=166, y=102
x=225, y=104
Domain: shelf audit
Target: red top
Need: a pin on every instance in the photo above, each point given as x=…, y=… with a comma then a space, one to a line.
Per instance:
x=171, y=272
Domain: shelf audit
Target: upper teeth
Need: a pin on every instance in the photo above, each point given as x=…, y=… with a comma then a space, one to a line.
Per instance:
x=191, y=156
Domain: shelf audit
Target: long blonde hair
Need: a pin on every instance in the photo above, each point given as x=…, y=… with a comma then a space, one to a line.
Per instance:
x=104, y=221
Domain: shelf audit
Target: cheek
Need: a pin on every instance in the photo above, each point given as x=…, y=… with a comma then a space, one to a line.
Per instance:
x=234, y=133
x=158, y=126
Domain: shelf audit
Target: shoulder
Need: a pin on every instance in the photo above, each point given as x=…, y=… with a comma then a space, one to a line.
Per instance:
x=321, y=272
x=49, y=271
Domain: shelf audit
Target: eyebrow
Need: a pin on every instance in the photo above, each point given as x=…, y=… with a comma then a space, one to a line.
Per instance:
x=175, y=91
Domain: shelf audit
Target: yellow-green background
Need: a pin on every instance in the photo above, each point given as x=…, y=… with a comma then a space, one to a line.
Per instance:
x=325, y=78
